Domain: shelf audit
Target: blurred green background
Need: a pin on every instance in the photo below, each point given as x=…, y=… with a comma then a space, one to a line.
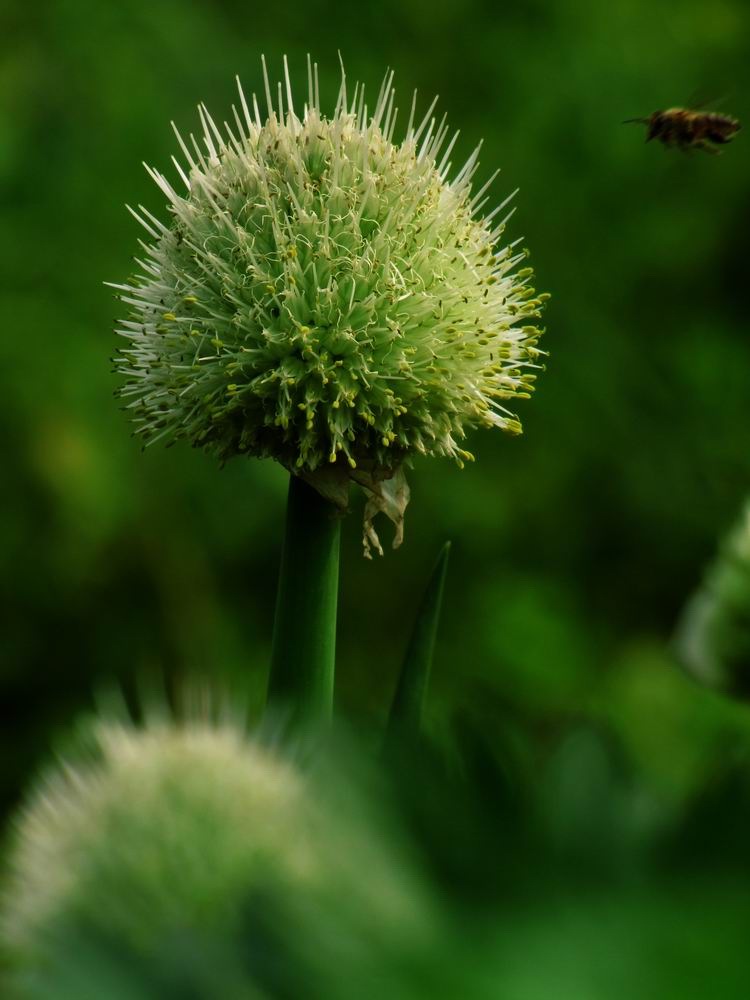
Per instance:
x=575, y=547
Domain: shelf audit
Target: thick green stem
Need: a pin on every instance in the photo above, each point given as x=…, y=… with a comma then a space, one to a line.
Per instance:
x=304, y=632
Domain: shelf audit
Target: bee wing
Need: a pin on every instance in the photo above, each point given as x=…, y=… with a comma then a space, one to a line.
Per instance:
x=699, y=101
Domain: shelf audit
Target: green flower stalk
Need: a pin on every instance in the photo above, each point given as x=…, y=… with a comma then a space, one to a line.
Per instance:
x=327, y=296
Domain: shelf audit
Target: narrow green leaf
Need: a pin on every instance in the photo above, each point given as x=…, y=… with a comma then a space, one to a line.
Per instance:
x=304, y=632
x=408, y=702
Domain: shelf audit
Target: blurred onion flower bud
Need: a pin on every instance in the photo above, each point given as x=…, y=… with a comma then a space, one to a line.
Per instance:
x=184, y=816
x=326, y=296
x=190, y=860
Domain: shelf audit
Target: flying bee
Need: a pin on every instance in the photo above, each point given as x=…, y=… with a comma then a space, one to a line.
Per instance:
x=686, y=129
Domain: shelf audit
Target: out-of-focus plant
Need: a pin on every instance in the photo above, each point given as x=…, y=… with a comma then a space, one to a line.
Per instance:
x=189, y=861
x=713, y=637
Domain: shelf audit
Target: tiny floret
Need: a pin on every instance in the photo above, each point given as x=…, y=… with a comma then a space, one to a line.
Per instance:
x=325, y=295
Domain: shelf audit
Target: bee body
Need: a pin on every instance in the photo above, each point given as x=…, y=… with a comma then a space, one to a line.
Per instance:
x=685, y=129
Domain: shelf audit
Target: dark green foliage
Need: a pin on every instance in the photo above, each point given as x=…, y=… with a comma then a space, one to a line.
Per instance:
x=713, y=638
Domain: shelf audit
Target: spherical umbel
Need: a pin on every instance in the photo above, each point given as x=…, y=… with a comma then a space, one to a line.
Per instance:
x=325, y=296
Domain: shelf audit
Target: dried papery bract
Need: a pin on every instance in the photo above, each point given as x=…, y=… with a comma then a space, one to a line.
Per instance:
x=327, y=296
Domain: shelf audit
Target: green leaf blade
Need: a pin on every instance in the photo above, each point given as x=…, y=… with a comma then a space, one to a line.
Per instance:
x=408, y=703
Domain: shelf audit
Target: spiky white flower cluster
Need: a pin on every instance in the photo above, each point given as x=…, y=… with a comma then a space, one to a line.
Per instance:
x=189, y=855
x=180, y=815
x=322, y=294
